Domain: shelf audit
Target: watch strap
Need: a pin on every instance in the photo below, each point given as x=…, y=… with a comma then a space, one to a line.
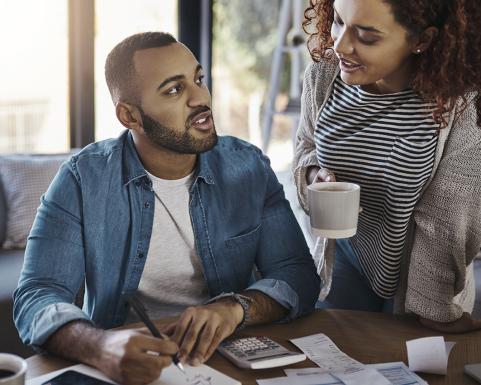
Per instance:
x=242, y=300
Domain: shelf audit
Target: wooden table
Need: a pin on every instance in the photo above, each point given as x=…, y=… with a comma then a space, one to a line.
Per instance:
x=367, y=337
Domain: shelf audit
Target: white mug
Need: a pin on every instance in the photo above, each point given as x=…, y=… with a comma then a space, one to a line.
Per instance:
x=13, y=365
x=333, y=208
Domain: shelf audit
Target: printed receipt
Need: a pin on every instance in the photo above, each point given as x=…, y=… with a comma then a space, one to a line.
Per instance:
x=320, y=349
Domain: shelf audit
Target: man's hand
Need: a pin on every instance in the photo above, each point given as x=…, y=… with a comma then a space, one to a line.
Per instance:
x=200, y=330
x=462, y=325
x=133, y=357
x=130, y=357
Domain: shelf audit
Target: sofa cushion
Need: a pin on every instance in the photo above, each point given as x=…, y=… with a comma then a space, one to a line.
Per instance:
x=3, y=215
x=24, y=179
x=11, y=262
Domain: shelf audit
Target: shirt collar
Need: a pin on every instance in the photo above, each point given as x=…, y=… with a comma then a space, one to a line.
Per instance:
x=133, y=169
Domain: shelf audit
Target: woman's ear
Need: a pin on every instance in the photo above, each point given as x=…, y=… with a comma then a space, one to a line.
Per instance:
x=424, y=40
x=128, y=115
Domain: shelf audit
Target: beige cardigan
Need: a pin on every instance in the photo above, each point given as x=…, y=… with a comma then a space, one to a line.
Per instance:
x=444, y=234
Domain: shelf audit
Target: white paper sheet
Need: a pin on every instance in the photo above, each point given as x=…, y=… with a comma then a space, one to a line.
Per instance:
x=429, y=354
x=200, y=375
x=396, y=372
x=363, y=376
x=314, y=379
x=320, y=349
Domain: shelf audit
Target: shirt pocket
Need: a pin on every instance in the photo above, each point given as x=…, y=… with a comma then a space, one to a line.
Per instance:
x=246, y=240
x=410, y=163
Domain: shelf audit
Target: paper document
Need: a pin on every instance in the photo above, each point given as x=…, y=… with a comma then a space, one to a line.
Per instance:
x=320, y=349
x=200, y=375
x=313, y=379
x=397, y=373
x=364, y=376
x=429, y=354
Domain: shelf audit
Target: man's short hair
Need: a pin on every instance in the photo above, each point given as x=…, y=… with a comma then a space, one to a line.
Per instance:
x=119, y=66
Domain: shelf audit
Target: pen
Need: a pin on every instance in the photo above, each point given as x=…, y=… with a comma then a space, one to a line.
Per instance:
x=139, y=309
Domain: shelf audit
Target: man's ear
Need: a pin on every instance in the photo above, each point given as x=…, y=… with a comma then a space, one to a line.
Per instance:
x=424, y=40
x=129, y=116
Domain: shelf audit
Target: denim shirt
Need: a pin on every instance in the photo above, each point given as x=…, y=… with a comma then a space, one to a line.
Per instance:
x=95, y=221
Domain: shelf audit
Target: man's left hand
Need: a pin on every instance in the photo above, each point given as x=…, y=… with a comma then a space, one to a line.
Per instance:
x=201, y=329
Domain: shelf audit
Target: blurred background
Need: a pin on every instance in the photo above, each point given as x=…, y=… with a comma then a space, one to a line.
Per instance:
x=53, y=95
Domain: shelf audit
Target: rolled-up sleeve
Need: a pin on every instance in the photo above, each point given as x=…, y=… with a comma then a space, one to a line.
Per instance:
x=54, y=267
x=283, y=259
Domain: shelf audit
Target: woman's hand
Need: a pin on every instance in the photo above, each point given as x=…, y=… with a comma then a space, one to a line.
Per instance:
x=316, y=174
x=462, y=325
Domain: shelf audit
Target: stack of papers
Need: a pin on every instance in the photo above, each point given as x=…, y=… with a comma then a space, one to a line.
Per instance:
x=337, y=368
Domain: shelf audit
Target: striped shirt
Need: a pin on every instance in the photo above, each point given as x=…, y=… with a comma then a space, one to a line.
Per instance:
x=386, y=144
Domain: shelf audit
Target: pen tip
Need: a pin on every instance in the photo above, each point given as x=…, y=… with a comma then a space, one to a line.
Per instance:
x=179, y=365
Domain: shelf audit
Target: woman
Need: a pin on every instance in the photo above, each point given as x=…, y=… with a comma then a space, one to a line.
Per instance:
x=392, y=103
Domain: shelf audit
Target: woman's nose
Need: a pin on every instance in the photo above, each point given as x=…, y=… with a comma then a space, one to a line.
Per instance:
x=343, y=44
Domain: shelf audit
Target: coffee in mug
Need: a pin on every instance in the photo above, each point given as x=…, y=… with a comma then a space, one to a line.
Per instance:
x=12, y=369
x=333, y=208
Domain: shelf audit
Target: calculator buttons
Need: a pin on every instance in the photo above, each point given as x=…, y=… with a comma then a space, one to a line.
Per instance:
x=258, y=353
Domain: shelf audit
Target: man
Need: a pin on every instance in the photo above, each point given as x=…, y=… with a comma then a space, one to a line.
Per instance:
x=167, y=212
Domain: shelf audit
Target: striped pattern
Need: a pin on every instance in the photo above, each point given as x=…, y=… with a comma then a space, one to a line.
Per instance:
x=386, y=144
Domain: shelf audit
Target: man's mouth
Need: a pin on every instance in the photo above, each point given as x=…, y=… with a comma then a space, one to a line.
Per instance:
x=202, y=121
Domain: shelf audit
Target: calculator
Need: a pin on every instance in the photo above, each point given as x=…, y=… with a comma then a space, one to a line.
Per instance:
x=258, y=353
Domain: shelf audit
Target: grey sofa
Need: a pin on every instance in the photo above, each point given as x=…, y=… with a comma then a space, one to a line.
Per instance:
x=23, y=179
x=10, y=266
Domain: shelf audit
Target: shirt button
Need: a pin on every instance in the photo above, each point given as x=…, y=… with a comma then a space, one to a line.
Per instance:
x=146, y=205
x=140, y=255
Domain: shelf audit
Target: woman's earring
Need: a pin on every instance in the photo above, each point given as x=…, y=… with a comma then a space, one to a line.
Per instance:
x=418, y=51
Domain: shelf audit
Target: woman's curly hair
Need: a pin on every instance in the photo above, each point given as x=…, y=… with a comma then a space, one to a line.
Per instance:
x=449, y=69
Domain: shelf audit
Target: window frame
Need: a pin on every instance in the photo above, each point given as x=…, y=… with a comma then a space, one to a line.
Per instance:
x=194, y=31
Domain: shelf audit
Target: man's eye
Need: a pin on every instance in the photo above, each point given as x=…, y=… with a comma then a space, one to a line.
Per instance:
x=200, y=79
x=174, y=90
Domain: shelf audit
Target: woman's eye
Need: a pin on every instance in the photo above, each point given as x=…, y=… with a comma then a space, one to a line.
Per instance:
x=338, y=21
x=200, y=80
x=367, y=40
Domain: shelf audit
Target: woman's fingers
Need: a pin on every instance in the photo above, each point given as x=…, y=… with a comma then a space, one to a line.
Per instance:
x=325, y=175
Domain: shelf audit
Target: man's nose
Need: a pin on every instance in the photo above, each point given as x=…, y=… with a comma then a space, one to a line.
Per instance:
x=199, y=96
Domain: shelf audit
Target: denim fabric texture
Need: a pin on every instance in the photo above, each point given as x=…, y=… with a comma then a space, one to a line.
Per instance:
x=95, y=221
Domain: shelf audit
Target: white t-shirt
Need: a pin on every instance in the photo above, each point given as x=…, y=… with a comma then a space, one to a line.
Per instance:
x=172, y=278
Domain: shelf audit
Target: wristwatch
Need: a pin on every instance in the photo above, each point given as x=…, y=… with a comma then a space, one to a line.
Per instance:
x=242, y=300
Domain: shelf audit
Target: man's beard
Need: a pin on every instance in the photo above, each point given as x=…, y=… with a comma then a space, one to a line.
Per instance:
x=180, y=142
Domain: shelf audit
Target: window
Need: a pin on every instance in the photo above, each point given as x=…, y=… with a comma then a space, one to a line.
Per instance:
x=116, y=20
x=245, y=35
x=34, y=76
